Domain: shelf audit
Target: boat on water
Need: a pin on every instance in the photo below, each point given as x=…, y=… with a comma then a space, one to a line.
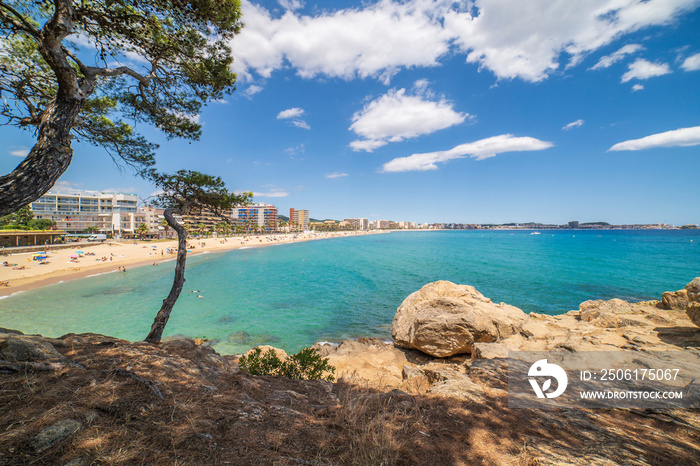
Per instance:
x=535, y=233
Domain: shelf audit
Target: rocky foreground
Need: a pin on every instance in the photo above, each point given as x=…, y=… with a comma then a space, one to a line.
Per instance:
x=438, y=398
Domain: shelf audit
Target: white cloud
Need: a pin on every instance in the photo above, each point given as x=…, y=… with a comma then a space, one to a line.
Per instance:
x=252, y=90
x=294, y=115
x=346, y=43
x=637, y=87
x=643, y=69
x=682, y=137
x=336, y=175
x=220, y=101
x=396, y=116
x=479, y=150
x=290, y=113
x=272, y=193
x=301, y=124
x=21, y=151
x=514, y=39
x=573, y=124
x=692, y=63
x=295, y=150
x=367, y=145
x=615, y=57
x=291, y=4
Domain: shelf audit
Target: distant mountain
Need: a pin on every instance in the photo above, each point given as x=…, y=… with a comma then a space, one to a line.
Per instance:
x=282, y=218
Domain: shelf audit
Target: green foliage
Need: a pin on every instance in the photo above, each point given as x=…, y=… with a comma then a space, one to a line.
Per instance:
x=41, y=224
x=91, y=229
x=307, y=364
x=173, y=56
x=142, y=229
x=190, y=191
x=19, y=220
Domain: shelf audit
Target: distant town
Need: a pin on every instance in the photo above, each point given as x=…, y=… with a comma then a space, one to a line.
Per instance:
x=120, y=215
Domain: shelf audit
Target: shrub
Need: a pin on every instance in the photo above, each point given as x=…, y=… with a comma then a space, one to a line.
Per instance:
x=307, y=364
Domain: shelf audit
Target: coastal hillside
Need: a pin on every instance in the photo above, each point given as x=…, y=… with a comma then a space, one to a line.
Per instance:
x=93, y=399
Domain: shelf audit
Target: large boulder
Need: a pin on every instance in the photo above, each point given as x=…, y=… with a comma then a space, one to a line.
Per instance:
x=674, y=300
x=693, y=313
x=681, y=299
x=443, y=319
x=693, y=290
x=20, y=348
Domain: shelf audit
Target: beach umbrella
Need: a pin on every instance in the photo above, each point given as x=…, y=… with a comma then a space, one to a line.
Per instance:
x=74, y=257
x=79, y=252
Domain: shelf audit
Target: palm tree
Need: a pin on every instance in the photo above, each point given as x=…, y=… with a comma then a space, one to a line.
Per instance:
x=142, y=230
x=222, y=228
x=164, y=224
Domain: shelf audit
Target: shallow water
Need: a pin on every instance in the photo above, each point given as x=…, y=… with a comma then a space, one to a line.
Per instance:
x=291, y=296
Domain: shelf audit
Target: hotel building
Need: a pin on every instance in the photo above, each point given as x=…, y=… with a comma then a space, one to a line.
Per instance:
x=357, y=223
x=74, y=211
x=256, y=215
x=299, y=219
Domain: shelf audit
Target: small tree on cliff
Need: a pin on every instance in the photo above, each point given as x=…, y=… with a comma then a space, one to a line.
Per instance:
x=186, y=193
x=47, y=85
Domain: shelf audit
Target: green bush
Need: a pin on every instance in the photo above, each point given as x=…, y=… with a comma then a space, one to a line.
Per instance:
x=307, y=364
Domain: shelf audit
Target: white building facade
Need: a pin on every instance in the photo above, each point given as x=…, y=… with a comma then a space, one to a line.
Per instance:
x=74, y=211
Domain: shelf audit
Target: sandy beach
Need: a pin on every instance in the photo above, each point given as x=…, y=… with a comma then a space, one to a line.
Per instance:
x=23, y=273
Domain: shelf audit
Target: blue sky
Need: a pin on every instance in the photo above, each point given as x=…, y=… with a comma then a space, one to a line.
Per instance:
x=438, y=111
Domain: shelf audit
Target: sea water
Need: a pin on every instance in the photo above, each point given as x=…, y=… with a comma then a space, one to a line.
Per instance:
x=293, y=295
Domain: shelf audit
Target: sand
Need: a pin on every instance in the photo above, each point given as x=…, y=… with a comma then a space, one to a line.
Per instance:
x=61, y=266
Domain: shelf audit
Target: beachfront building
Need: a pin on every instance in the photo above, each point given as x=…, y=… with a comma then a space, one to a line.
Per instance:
x=357, y=223
x=255, y=216
x=299, y=219
x=74, y=211
x=202, y=221
x=382, y=224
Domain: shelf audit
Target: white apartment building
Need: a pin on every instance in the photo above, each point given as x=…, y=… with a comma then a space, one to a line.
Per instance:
x=74, y=211
x=357, y=223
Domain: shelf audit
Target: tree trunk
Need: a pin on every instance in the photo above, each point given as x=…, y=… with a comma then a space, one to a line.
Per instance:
x=48, y=159
x=178, y=282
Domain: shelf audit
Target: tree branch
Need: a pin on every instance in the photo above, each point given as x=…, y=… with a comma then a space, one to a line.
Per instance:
x=122, y=70
x=22, y=25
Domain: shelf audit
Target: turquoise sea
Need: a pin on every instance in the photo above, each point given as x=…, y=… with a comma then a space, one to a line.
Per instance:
x=291, y=296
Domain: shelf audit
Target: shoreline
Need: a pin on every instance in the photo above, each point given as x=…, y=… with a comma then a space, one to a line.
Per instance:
x=131, y=255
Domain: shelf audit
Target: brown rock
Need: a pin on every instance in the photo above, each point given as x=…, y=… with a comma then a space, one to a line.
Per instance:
x=608, y=314
x=693, y=313
x=443, y=319
x=55, y=433
x=693, y=290
x=15, y=347
x=594, y=308
x=674, y=300
x=489, y=351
